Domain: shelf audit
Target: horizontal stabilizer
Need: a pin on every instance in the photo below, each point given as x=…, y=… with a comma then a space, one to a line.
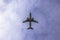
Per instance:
x=30, y=28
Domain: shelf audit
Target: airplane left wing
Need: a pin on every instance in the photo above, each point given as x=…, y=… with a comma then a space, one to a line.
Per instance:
x=25, y=21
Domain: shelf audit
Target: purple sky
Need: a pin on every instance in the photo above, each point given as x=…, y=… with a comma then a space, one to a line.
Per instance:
x=14, y=12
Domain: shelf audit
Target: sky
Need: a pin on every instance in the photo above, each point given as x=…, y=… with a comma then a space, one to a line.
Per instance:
x=14, y=12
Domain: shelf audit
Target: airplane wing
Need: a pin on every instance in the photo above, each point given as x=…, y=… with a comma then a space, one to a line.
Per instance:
x=25, y=21
x=34, y=21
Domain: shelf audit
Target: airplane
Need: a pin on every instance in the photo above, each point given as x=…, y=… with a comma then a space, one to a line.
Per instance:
x=30, y=20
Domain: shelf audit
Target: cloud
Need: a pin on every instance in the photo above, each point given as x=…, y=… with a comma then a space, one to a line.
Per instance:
x=13, y=12
x=9, y=22
x=7, y=1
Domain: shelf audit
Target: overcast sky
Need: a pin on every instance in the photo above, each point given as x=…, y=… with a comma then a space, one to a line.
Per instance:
x=14, y=12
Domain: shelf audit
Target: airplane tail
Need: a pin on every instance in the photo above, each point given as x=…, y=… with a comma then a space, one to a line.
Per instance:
x=30, y=28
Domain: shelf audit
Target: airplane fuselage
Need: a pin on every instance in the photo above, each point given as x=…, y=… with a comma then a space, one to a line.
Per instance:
x=30, y=20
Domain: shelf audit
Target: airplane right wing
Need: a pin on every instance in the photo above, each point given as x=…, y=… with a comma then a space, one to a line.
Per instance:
x=34, y=21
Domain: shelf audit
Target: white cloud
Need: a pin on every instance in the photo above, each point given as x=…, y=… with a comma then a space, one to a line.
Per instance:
x=8, y=22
